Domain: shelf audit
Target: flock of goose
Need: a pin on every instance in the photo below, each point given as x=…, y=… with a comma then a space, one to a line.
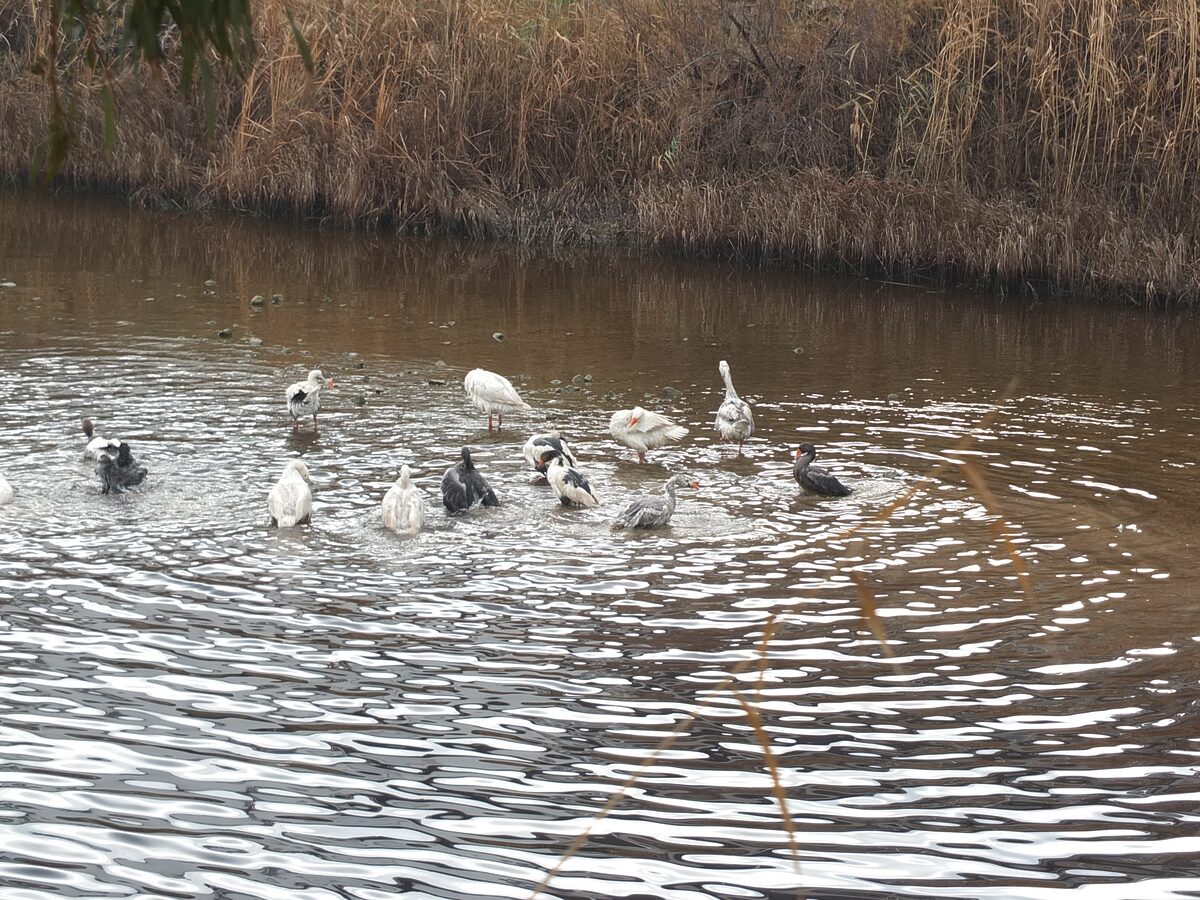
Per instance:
x=463, y=485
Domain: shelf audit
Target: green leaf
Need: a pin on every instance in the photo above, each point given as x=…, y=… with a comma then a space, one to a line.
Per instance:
x=301, y=43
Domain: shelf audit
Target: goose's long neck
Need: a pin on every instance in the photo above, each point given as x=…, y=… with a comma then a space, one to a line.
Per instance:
x=803, y=462
x=670, y=492
x=730, y=393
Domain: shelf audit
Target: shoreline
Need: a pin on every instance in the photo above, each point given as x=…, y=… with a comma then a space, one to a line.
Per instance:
x=647, y=130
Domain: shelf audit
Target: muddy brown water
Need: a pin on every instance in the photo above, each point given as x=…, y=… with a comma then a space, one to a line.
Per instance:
x=193, y=704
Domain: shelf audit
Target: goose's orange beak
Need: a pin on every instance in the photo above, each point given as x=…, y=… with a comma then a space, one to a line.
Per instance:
x=329, y=383
x=798, y=453
x=695, y=485
x=633, y=420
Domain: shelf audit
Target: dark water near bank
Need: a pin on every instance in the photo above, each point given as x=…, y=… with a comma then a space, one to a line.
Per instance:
x=195, y=705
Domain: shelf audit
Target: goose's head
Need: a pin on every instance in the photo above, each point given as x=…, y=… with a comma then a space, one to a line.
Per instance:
x=124, y=455
x=466, y=458
x=723, y=368
x=553, y=459
x=682, y=480
x=88, y=428
x=635, y=414
x=318, y=379
x=806, y=450
x=298, y=468
x=405, y=479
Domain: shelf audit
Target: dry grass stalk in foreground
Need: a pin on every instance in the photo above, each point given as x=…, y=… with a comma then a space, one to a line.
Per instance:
x=870, y=615
x=1047, y=146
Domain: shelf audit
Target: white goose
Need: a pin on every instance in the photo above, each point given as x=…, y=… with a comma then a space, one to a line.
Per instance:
x=290, y=501
x=404, y=505
x=493, y=394
x=641, y=430
x=97, y=446
x=735, y=421
x=304, y=397
x=6, y=491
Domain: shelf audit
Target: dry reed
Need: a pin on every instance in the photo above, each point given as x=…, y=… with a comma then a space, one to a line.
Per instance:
x=1042, y=146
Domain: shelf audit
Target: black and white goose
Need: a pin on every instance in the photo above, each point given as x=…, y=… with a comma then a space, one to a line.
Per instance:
x=541, y=447
x=97, y=446
x=464, y=487
x=814, y=479
x=120, y=472
x=735, y=421
x=304, y=397
x=654, y=512
x=568, y=483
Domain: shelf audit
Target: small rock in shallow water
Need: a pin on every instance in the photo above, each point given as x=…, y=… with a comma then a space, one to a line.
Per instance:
x=437, y=382
x=254, y=341
x=360, y=400
x=556, y=381
x=441, y=364
x=225, y=332
x=359, y=365
x=671, y=393
x=579, y=381
x=893, y=398
x=210, y=283
x=277, y=299
x=497, y=335
x=257, y=300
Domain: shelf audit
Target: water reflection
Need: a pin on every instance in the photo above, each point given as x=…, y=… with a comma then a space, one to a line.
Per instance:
x=195, y=704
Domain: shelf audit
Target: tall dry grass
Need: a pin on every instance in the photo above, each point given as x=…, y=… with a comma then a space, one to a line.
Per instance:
x=1051, y=145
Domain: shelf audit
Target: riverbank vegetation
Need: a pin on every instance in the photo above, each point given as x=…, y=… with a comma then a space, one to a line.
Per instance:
x=1036, y=146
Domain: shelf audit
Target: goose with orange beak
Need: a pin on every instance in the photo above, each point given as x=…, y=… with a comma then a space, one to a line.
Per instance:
x=655, y=512
x=641, y=430
x=814, y=479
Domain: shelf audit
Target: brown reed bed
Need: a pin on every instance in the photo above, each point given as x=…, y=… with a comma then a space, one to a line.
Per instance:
x=1051, y=146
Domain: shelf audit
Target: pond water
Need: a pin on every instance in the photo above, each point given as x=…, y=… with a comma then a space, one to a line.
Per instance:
x=194, y=704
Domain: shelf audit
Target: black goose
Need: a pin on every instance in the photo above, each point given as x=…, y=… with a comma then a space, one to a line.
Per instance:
x=814, y=478
x=120, y=473
x=464, y=488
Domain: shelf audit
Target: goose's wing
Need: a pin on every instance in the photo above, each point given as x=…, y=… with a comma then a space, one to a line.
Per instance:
x=297, y=392
x=652, y=421
x=455, y=494
x=576, y=480
x=404, y=511
x=493, y=388
x=482, y=491
x=644, y=513
x=565, y=449
x=734, y=410
x=827, y=483
x=290, y=501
